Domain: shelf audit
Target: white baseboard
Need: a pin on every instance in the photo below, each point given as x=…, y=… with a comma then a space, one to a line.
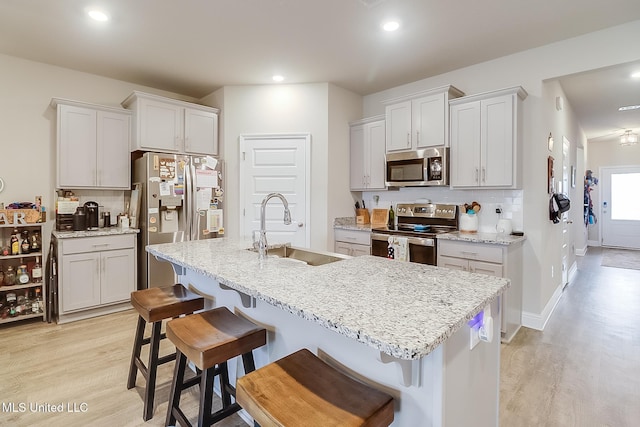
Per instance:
x=539, y=321
x=582, y=251
x=593, y=243
x=573, y=270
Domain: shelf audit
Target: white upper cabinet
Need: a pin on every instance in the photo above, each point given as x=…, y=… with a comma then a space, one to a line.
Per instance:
x=367, y=154
x=486, y=139
x=169, y=125
x=93, y=146
x=420, y=120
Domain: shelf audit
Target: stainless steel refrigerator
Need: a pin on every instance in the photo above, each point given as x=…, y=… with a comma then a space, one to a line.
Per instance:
x=181, y=199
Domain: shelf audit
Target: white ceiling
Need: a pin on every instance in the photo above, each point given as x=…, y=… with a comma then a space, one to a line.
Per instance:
x=193, y=47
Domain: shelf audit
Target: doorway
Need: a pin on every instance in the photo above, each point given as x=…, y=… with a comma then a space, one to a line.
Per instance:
x=281, y=164
x=620, y=217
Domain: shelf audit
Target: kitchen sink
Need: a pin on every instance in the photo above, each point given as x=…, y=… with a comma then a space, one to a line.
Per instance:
x=307, y=256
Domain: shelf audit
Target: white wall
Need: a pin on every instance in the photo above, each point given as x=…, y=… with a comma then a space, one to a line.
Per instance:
x=344, y=107
x=28, y=123
x=530, y=69
x=322, y=110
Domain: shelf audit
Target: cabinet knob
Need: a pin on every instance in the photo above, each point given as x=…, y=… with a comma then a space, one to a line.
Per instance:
x=418, y=137
x=408, y=139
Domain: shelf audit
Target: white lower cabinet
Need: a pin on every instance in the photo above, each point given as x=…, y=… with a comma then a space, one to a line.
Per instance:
x=352, y=242
x=492, y=260
x=96, y=275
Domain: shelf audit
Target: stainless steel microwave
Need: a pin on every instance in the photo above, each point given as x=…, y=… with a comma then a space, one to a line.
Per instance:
x=427, y=167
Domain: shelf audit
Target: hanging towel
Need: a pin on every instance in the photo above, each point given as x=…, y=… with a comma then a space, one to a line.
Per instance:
x=398, y=248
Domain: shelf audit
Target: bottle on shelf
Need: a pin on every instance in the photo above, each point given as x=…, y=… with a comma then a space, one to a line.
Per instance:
x=391, y=217
x=11, y=302
x=1, y=276
x=15, y=242
x=36, y=272
x=36, y=242
x=22, y=277
x=9, y=276
x=37, y=306
x=25, y=246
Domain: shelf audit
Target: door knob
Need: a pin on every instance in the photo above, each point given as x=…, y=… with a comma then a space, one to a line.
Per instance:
x=301, y=224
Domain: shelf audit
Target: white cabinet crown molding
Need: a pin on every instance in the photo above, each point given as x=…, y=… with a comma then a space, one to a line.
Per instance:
x=366, y=120
x=63, y=101
x=137, y=94
x=518, y=90
x=453, y=91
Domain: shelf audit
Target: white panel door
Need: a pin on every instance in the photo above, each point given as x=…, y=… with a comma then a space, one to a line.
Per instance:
x=620, y=219
x=496, y=122
x=76, y=147
x=113, y=148
x=276, y=163
x=429, y=120
x=465, y=144
x=200, y=132
x=117, y=276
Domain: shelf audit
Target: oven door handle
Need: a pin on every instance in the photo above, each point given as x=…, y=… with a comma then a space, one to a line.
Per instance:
x=420, y=241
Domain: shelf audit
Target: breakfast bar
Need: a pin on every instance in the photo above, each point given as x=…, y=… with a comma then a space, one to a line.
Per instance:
x=409, y=329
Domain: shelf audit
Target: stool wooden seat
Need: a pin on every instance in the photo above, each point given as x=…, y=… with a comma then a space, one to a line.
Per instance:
x=209, y=339
x=153, y=306
x=302, y=390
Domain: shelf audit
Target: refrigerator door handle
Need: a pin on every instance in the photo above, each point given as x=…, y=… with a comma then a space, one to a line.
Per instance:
x=187, y=199
x=193, y=206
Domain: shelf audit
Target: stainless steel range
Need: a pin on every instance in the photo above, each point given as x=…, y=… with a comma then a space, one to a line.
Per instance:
x=420, y=224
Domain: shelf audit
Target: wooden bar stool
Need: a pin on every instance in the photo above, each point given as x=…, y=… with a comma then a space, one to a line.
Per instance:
x=153, y=306
x=209, y=340
x=302, y=390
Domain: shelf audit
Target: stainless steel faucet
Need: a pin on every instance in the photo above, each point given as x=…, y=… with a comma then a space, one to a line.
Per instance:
x=262, y=241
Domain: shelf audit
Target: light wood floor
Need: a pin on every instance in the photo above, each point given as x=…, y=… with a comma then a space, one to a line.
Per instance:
x=84, y=362
x=583, y=370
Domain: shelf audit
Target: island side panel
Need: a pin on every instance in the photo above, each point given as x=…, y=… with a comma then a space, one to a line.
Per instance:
x=472, y=377
x=415, y=404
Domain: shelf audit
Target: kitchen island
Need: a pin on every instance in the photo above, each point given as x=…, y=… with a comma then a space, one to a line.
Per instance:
x=401, y=327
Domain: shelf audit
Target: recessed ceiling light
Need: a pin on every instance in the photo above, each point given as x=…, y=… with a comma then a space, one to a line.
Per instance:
x=278, y=78
x=636, y=75
x=629, y=107
x=391, y=25
x=98, y=15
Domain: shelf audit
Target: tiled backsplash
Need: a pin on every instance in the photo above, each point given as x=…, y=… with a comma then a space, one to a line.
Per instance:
x=510, y=201
x=109, y=201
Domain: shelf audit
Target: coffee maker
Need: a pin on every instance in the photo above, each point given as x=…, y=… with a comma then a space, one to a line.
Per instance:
x=91, y=209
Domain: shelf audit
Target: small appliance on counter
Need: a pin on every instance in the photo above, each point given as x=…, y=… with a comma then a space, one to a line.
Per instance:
x=79, y=219
x=91, y=210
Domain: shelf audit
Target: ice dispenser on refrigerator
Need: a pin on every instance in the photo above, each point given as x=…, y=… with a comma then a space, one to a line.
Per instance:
x=179, y=194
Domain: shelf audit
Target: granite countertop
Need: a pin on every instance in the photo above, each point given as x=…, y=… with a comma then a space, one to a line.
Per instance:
x=108, y=231
x=349, y=223
x=403, y=309
x=480, y=237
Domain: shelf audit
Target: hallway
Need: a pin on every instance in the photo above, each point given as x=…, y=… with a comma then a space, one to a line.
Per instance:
x=583, y=370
